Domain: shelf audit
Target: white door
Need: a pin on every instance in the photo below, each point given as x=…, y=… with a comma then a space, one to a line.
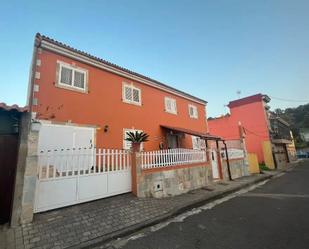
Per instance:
x=172, y=141
x=66, y=138
x=52, y=136
x=214, y=164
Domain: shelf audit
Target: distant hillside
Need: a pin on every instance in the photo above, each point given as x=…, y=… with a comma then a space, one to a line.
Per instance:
x=298, y=118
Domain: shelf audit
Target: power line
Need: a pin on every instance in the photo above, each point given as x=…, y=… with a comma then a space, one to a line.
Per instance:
x=254, y=133
x=288, y=100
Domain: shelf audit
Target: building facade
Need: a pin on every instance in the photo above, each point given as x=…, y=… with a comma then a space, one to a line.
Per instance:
x=266, y=135
x=84, y=101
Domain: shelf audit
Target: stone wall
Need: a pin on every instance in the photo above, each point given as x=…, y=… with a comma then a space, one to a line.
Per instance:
x=173, y=182
x=238, y=167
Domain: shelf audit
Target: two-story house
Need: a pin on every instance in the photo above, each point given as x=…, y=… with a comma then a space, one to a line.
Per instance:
x=84, y=101
x=82, y=108
x=266, y=135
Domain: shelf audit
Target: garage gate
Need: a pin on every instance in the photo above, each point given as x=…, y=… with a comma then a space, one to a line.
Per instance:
x=79, y=173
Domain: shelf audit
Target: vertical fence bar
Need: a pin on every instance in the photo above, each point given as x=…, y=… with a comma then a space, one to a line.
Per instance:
x=116, y=159
x=128, y=162
x=88, y=159
x=47, y=165
x=41, y=160
x=113, y=160
x=104, y=161
x=121, y=158
x=99, y=160
x=108, y=160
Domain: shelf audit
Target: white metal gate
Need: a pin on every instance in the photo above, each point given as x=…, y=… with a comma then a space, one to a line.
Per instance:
x=56, y=136
x=214, y=164
x=67, y=177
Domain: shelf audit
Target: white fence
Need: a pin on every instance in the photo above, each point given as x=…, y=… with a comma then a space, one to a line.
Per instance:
x=171, y=157
x=67, y=177
x=70, y=162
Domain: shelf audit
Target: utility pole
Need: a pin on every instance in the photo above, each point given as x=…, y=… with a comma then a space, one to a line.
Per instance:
x=243, y=146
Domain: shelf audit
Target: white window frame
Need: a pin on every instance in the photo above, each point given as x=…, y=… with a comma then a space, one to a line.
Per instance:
x=74, y=69
x=195, y=111
x=125, y=130
x=172, y=111
x=131, y=101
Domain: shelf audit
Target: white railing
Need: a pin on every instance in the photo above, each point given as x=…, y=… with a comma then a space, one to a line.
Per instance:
x=171, y=157
x=82, y=161
x=234, y=153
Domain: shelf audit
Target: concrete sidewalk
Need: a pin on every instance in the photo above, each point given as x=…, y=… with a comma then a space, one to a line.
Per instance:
x=98, y=221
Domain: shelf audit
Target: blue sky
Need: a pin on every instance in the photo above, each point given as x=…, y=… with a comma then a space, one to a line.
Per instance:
x=209, y=49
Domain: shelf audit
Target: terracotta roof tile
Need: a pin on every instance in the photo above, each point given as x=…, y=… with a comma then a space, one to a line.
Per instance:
x=6, y=107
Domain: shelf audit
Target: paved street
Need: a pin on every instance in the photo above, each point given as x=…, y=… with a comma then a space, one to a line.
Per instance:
x=93, y=222
x=275, y=215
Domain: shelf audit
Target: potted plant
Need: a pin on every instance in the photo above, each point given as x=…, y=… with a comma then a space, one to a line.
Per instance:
x=136, y=138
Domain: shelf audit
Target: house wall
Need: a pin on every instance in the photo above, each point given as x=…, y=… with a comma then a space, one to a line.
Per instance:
x=238, y=167
x=253, y=118
x=103, y=105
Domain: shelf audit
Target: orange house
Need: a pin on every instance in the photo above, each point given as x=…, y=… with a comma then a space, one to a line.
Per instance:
x=251, y=115
x=82, y=101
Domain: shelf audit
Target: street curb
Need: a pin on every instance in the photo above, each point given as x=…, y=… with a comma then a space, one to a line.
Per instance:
x=194, y=204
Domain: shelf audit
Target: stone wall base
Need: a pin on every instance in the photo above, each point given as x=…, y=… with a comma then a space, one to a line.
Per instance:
x=173, y=182
x=239, y=168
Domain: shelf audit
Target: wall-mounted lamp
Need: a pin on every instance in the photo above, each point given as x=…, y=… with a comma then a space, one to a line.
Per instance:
x=35, y=125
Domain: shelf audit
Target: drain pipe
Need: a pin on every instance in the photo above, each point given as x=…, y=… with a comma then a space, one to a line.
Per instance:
x=227, y=161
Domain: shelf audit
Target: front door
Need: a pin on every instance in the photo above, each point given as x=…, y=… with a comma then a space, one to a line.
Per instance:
x=8, y=161
x=172, y=141
x=214, y=164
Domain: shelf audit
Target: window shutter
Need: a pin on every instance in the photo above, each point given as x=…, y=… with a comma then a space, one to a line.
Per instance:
x=66, y=76
x=136, y=95
x=174, y=107
x=79, y=79
x=195, y=112
x=168, y=106
x=128, y=93
x=191, y=112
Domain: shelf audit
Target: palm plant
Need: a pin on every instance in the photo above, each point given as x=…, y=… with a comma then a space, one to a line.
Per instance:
x=137, y=137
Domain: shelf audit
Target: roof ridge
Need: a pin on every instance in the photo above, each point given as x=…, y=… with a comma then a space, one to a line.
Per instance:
x=61, y=44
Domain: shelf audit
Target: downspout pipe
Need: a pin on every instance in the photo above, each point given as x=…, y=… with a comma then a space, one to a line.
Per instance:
x=227, y=161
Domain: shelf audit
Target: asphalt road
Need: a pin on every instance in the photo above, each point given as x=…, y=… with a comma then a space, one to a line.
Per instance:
x=275, y=215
